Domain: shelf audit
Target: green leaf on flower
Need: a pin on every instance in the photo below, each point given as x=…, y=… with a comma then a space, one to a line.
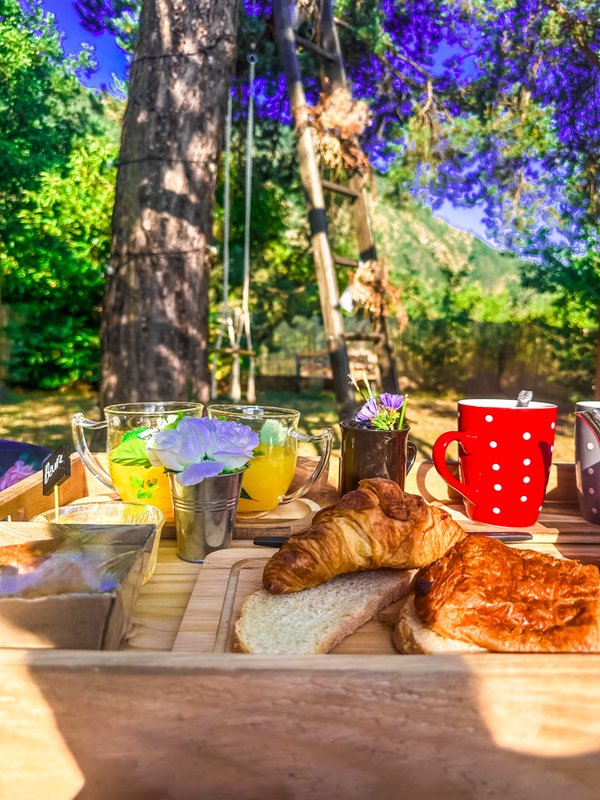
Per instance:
x=134, y=432
x=258, y=452
x=131, y=452
x=175, y=423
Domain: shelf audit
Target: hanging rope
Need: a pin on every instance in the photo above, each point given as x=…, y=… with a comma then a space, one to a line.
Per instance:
x=226, y=321
x=243, y=323
x=227, y=199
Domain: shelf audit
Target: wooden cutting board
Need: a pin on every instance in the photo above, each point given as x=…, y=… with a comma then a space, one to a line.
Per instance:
x=225, y=580
x=228, y=576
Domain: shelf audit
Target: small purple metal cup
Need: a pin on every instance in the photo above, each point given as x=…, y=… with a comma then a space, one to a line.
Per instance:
x=587, y=460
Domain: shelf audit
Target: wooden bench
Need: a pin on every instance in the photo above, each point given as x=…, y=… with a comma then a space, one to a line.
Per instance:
x=317, y=366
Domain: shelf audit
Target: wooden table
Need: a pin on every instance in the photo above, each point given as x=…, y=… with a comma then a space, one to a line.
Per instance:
x=148, y=723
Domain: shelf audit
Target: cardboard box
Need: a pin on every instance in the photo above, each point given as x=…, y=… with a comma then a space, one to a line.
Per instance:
x=91, y=620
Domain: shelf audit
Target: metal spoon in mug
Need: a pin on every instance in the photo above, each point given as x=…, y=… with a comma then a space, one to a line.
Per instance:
x=524, y=398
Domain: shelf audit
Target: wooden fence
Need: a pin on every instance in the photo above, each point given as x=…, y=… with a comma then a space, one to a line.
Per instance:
x=477, y=357
x=434, y=355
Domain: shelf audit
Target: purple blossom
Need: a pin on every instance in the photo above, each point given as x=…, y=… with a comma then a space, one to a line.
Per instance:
x=385, y=412
x=369, y=411
x=391, y=402
x=196, y=473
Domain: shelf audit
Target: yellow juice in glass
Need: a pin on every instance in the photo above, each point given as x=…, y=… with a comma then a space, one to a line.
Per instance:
x=267, y=478
x=147, y=485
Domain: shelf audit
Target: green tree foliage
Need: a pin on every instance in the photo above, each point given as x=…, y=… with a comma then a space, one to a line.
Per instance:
x=471, y=99
x=495, y=103
x=58, y=144
x=42, y=104
x=502, y=110
x=55, y=285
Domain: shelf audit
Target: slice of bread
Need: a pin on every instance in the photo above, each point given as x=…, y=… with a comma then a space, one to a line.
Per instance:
x=315, y=620
x=412, y=636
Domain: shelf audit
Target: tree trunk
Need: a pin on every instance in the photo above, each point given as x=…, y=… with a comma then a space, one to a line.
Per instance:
x=155, y=317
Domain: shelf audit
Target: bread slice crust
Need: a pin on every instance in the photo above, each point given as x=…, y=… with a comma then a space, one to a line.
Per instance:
x=316, y=620
x=412, y=637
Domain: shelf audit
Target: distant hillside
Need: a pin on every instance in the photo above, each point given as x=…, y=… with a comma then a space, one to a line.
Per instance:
x=413, y=239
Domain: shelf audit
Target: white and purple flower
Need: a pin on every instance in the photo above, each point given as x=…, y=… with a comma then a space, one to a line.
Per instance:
x=200, y=448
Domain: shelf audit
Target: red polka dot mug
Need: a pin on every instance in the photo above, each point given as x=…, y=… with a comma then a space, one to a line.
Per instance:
x=504, y=457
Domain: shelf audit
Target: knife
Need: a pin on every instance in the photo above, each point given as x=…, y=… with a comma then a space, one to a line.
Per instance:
x=507, y=537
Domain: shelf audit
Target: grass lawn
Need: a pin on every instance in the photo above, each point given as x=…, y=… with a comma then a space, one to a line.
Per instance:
x=45, y=417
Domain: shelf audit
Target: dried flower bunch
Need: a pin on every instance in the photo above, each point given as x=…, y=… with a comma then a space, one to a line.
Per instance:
x=370, y=287
x=385, y=412
x=337, y=121
x=310, y=8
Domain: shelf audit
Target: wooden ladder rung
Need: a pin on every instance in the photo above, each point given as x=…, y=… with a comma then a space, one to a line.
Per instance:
x=337, y=187
x=314, y=48
x=363, y=337
x=345, y=262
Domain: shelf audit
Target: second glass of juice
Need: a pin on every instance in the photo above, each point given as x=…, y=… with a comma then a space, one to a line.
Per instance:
x=271, y=470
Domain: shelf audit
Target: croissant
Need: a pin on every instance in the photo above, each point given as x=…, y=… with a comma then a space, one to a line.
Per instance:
x=377, y=525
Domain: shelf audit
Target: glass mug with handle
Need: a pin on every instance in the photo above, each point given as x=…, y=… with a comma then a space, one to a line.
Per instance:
x=271, y=470
x=127, y=427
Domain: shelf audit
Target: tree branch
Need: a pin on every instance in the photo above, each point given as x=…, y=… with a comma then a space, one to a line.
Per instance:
x=576, y=27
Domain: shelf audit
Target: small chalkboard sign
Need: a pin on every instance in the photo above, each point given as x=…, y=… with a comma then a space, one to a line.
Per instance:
x=56, y=469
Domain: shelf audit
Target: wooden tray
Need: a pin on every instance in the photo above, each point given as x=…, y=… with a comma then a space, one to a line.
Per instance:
x=244, y=726
x=25, y=500
x=227, y=577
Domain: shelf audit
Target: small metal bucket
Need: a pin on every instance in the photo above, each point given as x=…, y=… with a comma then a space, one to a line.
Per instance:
x=205, y=514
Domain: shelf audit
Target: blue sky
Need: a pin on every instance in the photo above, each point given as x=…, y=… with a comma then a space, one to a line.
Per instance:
x=112, y=60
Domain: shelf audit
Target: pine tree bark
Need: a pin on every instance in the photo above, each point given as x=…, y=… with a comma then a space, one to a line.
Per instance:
x=155, y=315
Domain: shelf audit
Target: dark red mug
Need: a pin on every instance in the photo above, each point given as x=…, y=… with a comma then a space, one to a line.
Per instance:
x=504, y=457
x=374, y=453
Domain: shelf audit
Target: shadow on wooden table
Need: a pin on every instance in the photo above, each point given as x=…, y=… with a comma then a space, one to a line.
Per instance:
x=249, y=728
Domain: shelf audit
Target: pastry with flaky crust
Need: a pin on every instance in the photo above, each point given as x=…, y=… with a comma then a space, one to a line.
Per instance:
x=483, y=594
x=378, y=525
